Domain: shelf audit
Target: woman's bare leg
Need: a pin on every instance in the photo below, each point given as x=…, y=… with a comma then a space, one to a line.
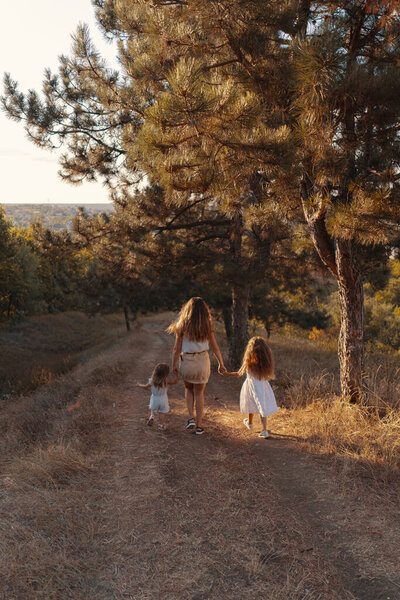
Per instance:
x=250, y=418
x=264, y=422
x=198, y=390
x=189, y=396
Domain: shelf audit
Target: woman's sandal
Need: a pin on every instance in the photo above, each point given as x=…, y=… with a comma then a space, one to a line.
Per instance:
x=199, y=430
x=190, y=423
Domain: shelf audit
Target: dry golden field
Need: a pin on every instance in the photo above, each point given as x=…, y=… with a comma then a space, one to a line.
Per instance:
x=95, y=505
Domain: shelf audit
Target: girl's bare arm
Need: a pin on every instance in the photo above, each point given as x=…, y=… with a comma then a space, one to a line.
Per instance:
x=145, y=386
x=176, y=352
x=232, y=374
x=217, y=353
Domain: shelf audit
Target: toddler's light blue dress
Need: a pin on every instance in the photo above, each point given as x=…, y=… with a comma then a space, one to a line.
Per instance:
x=158, y=399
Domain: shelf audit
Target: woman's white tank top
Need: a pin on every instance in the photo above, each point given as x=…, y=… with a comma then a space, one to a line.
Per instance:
x=192, y=346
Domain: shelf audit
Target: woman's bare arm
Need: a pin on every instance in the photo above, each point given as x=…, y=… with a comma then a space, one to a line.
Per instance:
x=217, y=353
x=172, y=378
x=176, y=352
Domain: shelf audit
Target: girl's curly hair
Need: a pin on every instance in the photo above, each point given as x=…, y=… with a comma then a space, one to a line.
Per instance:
x=258, y=359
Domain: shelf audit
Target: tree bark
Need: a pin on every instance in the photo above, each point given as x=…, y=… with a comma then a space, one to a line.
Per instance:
x=240, y=295
x=338, y=256
x=351, y=336
x=127, y=322
x=227, y=316
x=240, y=317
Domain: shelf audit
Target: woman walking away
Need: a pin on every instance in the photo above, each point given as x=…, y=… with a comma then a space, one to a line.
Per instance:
x=193, y=337
x=158, y=384
x=256, y=395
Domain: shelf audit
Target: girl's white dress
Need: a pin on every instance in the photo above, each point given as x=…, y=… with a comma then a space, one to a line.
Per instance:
x=256, y=396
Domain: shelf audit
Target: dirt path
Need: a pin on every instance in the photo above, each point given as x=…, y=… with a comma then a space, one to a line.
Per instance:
x=226, y=514
x=169, y=515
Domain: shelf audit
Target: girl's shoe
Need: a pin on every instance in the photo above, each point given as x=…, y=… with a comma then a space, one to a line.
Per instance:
x=191, y=423
x=161, y=426
x=263, y=434
x=199, y=430
x=247, y=424
x=150, y=420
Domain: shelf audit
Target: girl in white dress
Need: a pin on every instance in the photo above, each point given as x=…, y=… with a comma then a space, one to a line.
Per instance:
x=158, y=383
x=256, y=395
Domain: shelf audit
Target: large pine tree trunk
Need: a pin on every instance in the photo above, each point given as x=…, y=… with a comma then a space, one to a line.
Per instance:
x=240, y=318
x=351, y=337
x=339, y=257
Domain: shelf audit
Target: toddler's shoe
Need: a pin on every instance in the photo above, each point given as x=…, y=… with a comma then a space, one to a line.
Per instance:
x=263, y=434
x=247, y=424
x=150, y=420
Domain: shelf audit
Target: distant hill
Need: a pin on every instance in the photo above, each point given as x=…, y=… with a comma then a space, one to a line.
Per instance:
x=53, y=216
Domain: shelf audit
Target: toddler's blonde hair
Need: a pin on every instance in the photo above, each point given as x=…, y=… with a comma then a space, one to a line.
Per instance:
x=159, y=375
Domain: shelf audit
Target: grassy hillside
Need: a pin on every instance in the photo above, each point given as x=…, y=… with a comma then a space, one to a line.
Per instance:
x=36, y=349
x=95, y=502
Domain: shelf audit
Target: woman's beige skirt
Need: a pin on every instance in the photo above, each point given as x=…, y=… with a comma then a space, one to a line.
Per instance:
x=195, y=368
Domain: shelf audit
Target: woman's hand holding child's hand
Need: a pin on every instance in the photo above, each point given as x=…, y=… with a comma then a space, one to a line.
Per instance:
x=230, y=374
x=222, y=370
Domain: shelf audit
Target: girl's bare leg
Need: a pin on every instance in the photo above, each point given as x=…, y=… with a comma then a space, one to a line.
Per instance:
x=264, y=422
x=250, y=418
x=198, y=389
x=189, y=396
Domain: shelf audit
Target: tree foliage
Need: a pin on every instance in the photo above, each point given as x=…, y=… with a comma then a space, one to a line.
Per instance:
x=276, y=114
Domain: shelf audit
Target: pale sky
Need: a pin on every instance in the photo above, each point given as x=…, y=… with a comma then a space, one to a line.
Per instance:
x=34, y=33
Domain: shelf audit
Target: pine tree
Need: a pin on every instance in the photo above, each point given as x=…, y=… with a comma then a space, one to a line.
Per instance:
x=347, y=106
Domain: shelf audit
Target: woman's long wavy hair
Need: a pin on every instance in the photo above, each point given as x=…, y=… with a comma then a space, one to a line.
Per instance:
x=159, y=375
x=258, y=359
x=194, y=321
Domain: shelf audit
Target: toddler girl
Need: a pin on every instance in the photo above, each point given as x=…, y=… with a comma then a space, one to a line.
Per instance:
x=158, y=383
x=256, y=395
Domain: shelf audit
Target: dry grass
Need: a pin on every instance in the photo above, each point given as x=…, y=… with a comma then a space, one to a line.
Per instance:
x=51, y=493
x=56, y=464
x=364, y=443
x=139, y=516
x=364, y=439
x=96, y=506
x=27, y=363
